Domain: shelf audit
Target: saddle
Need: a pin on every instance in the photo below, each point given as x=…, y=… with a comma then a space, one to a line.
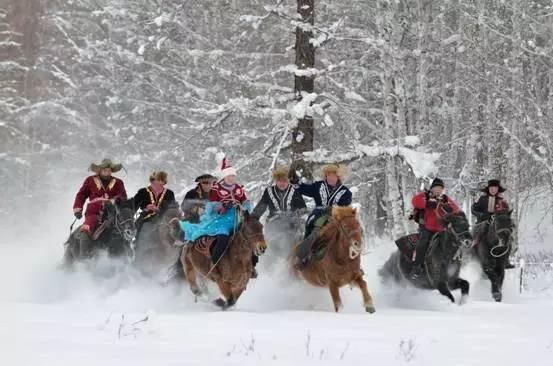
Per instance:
x=407, y=245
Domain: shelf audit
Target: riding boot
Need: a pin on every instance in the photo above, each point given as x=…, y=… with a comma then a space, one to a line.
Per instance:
x=509, y=265
x=219, y=248
x=303, y=253
x=422, y=246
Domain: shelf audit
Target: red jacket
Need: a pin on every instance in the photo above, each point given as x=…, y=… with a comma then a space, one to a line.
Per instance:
x=93, y=188
x=433, y=216
x=220, y=193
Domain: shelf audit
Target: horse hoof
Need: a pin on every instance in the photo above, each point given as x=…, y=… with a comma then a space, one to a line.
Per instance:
x=370, y=309
x=220, y=303
x=497, y=296
x=464, y=300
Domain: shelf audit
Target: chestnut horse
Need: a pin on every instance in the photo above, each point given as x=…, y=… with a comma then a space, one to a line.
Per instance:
x=233, y=270
x=341, y=264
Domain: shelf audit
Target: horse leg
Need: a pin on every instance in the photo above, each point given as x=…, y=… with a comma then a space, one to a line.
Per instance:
x=500, y=275
x=335, y=293
x=190, y=276
x=444, y=290
x=490, y=270
x=367, y=299
x=464, y=285
x=226, y=291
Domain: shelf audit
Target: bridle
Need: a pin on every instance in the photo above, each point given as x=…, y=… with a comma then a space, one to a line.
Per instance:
x=119, y=225
x=355, y=248
x=465, y=243
x=501, y=245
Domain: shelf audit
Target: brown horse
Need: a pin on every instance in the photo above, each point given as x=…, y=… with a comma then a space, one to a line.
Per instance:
x=232, y=272
x=341, y=264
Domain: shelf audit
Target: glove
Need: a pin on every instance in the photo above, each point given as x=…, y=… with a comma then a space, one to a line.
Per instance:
x=431, y=203
x=78, y=212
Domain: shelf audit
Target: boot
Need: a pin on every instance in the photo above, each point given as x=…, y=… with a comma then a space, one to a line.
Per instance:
x=303, y=253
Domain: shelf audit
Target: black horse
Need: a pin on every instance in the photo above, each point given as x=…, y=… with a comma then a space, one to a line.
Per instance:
x=115, y=239
x=442, y=262
x=154, y=244
x=493, y=247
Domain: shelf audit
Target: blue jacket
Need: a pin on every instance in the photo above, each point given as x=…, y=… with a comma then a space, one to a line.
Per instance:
x=324, y=197
x=212, y=223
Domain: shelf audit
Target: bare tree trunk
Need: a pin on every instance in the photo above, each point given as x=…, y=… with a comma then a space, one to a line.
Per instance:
x=305, y=59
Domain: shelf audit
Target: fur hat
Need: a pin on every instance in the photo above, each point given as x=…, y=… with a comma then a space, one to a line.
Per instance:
x=105, y=164
x=159, y=175
x=437, y=182
x=494, y=183
x=224, y=166
x=281, y=172
x=340, y=170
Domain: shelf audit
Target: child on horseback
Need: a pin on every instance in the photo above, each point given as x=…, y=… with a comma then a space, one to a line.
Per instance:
x=220, y=218
x=433, y=204
x=327, y=193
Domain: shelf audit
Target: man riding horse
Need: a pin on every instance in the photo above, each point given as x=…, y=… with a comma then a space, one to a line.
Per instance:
x=98, y=188
x=490, y=203
x=153, y=200
x=328, y=192
x=193, y=204
x=281, y=197
x=432, y=205
x=221, y=216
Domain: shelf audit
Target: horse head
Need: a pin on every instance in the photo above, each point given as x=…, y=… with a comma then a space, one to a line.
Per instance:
x=350, y=228
x=252, y=230
x=121, y=212
x=458, y=227
x=500, y=229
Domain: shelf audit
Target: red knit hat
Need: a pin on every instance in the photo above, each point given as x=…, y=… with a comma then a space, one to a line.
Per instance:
x=225, y=167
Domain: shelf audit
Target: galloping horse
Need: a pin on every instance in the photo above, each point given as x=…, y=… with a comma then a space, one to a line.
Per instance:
x=115, y=239
x=442, y=262
x=233, y=270
x=493, y=249
x=154, y=249
x=340, y=264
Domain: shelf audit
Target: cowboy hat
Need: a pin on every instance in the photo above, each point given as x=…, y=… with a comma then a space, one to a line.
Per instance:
x=494, y=183
x=204, y=177
x=105, y=164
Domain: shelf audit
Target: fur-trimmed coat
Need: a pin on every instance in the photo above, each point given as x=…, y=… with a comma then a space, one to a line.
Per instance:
x=146, y=196
x=277, y=201
x=325, y=196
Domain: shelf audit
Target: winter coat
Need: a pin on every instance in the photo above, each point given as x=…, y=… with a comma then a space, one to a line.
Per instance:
x=93, y=188
x=145, y=197
x=488, y=205
x=324, y=196
x=279, y=201
x=432, y=216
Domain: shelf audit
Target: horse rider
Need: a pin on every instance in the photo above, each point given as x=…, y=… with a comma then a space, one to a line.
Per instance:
x=433, y=205
x=193, y=204
x=220, y=218
x=491, y=202
x=98, y=188
x=153, y=200
x=327, y=192
x=281, y=197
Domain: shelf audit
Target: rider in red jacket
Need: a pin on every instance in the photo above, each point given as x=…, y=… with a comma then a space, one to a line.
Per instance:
x=433, y=204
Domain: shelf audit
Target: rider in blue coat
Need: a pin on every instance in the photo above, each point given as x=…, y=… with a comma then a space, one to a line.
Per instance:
x=326, y=193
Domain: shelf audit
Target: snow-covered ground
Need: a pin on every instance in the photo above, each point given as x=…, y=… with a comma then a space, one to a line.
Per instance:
x=51, y=318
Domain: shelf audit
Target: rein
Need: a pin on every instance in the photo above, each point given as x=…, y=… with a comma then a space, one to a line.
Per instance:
x=503, y=247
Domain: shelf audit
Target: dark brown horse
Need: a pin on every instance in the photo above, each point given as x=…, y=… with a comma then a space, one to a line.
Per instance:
x=341, y=264
x=233, y=270
x=154, y=244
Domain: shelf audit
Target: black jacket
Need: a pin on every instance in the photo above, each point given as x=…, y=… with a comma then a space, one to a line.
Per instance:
x=194, y=200
x=279, y=201
x=481, y=210
x=145, y=196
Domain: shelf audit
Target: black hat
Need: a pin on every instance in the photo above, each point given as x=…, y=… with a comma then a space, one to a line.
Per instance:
x=205, y=177
x=494, y=183
x=437, y=182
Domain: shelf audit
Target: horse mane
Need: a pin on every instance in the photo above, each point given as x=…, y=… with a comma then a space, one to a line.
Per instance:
x=339, y=213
